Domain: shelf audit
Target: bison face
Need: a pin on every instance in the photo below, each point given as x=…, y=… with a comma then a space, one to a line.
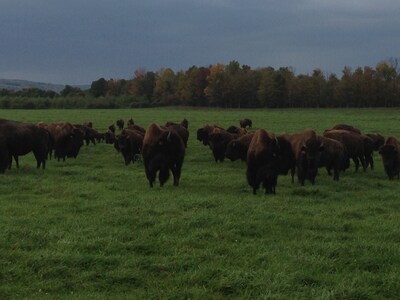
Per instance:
x=311, y=153
x=122, y=143
x=389, y=155
x=202, y=136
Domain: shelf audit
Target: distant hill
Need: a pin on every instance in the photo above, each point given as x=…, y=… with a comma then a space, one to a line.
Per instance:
x=15, y=84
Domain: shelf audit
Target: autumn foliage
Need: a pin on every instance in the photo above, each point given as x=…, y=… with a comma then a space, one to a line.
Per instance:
x=235, y=86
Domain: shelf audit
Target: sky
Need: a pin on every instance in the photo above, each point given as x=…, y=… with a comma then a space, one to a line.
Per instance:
x=79, y=41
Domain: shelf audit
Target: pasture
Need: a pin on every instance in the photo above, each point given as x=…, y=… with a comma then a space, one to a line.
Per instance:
x=92, y=228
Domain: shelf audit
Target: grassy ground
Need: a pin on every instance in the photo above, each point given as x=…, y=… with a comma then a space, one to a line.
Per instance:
x=92, y=228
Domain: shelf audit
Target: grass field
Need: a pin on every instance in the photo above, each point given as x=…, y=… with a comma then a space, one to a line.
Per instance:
x=92, y=227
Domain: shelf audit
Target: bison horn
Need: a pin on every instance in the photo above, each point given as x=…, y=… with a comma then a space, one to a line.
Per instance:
x=304, y=144
x=169, y=136
x=277, y=142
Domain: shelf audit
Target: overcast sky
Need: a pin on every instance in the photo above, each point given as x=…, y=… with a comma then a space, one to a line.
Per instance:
x=78, y=41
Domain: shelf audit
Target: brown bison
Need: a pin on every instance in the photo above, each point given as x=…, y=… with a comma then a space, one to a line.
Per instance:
x=130, y=122
x=379, y=140
x=202, y=133
x=19, y=139
x=88, y=124
x=181, y=131
x=368, y=151
x=89, y=134
x=307, y=150
x=67, y=139
x=333, y=157
x=218, y=140
x=390, y=153
x=345, y=127
x=137, y=128
x=245, y=122
x=353, y=144
x=237, y=148
x=120, y=124
x=262, y=161
x=109, y=137
x=236, y=131
x=184, y=123
x=130, y=143
x=163, y=150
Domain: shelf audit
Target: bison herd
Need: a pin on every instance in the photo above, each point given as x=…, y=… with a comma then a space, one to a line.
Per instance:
x=269, y=155
x=162, y=148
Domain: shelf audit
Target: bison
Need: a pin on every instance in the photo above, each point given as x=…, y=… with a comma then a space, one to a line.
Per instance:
x=236, y=131
x=163, y=150
x=379, y=140
x=130, y=122
x=109, y=137
x=368, y=151
x=237, y=148
x=111, y=128
x=245, y=122
x=184, y=123
x=218, y=140
x=89, y=134
x=345, y=127
x=19, y=138
x=262, y=161
x=333, y=157
x=307, y=150
x=202, y=133
x=130, y=143
x=353, y=144
x=67, y=139
x=120, y=124
x=181, y=131
x=137, y=128
x=88, y=124
x=390, y=153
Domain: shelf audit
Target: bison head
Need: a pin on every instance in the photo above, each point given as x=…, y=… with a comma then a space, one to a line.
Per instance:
x=311, y=152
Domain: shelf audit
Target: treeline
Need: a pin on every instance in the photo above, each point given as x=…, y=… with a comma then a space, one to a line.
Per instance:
x=231, y=86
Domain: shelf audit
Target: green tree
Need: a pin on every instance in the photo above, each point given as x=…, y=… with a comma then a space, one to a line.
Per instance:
x=165, y=86
x=70, y=91
x=98, y=88
x=191, y=86
x=216, y=89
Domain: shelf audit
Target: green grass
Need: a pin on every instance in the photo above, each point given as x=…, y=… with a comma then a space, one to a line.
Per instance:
x=92, y=227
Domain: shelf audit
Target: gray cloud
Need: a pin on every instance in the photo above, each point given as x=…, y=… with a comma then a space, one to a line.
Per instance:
x=75, y=42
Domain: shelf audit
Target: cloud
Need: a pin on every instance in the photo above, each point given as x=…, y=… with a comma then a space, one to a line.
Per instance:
x=81, y=41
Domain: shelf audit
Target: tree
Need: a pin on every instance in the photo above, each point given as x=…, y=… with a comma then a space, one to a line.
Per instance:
x=98, y=88
x=191, y=86
x=216, y=89
x=165, y=86
x=70, y=91
x=143, y=84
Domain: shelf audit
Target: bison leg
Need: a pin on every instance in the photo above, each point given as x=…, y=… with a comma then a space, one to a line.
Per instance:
x=356, y=163
x=336, y=174
x=292, y=172
x=328, y=169
x=163, y=175
x=371, y=162
x=16, y=161
x=363, y=163
x=176, y=172
x=254, y=190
